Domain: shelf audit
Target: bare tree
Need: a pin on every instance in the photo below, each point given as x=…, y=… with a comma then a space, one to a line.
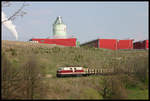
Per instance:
x=112, y=88
x=18, y=12
x=10, y=78
x=32, y=81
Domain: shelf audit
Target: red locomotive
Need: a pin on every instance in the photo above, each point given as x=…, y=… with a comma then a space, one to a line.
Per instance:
x=70, y=71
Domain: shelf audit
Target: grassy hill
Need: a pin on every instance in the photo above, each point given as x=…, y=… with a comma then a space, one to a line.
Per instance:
x=44, y=59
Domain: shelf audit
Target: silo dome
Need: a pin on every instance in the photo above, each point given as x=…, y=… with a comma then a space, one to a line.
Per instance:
x=59, y=28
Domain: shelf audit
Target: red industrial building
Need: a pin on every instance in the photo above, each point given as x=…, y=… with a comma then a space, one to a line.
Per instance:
x=102, y=43
x=112, y=44
x=65, y=42
x=108, y=43
x=125, y=44
x=141, y=44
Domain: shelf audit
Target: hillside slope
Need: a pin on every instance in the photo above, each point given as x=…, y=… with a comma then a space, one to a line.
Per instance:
x=48, y=58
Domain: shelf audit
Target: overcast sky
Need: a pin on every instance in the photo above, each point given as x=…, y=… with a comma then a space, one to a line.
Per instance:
x=85, y=20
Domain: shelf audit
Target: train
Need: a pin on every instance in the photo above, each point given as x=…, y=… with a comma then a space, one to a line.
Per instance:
x=81, y=71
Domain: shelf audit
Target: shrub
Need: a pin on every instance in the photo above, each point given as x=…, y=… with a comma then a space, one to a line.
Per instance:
x=10, y=77
x=13, y=52
x=30, y=74
x=56, y=49
x=113, y=88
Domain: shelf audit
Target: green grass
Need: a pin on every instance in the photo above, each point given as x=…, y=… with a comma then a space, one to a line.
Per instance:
x=136, y=93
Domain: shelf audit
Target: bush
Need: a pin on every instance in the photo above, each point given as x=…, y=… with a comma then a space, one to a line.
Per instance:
x=13, y=52
x=10, y=77
x=31, y=76
x=140, y=67
x=113, y=88
x=90, y=93
x=56, y=49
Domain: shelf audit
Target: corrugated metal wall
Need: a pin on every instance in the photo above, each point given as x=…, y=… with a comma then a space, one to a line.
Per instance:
x=108, y=44
x=137, y=45
x=141, y=44
x=125, y=44
x=115, y=44
x=64, y=42
x=147, y=44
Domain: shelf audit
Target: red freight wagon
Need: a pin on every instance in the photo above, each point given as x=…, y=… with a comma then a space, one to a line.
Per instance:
x=108, y=43
x=141, y=45
x=64, y=42
x=125, y=44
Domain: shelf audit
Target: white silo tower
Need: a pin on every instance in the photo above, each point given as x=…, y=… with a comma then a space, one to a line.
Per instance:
x=59, y=28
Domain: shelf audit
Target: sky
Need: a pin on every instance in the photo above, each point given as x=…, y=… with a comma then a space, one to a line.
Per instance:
x=85, y=20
